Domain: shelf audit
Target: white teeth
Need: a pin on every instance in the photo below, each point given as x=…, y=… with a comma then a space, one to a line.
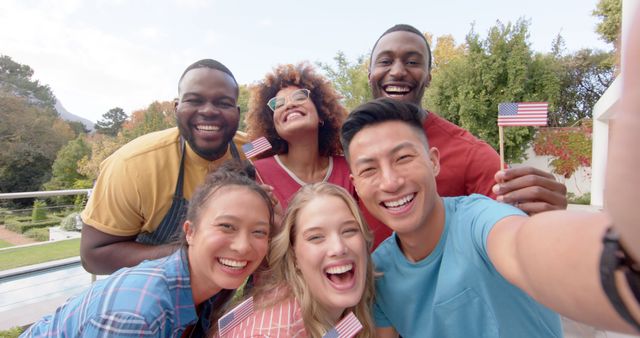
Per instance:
x=207, y=127
x=334, y=270
x=397, y=89
x=397, y=203
x=292, y=115
x=232, y=263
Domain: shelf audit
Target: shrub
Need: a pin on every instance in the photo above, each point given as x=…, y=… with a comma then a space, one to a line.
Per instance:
x=582, y=199
x=39, y=234
x=69, y=223
x=39, y=213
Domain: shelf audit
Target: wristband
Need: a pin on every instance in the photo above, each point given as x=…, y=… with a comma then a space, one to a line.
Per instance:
x=615, y=258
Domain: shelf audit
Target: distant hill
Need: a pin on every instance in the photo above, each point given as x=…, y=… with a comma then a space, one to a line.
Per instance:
x=66, y=115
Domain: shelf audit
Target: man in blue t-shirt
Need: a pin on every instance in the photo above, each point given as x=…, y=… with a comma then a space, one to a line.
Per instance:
x=466, y=266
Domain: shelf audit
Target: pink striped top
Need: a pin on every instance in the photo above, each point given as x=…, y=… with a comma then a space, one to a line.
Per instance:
x=283, y=319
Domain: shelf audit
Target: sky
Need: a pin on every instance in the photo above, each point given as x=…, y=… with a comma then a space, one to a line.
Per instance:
x=100, y=54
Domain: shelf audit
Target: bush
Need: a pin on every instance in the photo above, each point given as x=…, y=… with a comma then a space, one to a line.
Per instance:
x=69, y=223
x=39, y=213
x=582, y=199
x=39, y=234
x=12, y=333
x=22, y=226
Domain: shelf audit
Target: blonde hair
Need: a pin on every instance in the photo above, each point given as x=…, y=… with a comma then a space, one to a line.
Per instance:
x=282, y=269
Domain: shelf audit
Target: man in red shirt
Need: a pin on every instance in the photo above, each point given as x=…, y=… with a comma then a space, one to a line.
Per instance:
x=400, y=68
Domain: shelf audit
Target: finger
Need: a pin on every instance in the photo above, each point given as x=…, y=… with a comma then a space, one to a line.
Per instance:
x=532, y=208
x=535, y=194
x=512, y=173
x=530, y=180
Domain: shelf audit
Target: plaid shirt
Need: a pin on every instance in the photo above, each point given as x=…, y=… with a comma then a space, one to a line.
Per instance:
x=151, y=299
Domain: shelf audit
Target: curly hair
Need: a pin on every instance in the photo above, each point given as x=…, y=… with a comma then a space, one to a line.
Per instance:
x=259, y=118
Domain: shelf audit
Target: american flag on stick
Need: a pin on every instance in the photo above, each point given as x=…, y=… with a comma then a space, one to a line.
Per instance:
x=235, y=316
x=348, y=327
x=511, y=114
x=256, y=147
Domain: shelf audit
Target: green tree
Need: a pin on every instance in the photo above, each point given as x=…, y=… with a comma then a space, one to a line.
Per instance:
x=65, y=168
x=610, y=12
x=158, y=116
x=499, y=68
x=111, y=122
x=243, y=103
x=349, y=79
x=15, y=79
x=30, y=138
x=78, y=128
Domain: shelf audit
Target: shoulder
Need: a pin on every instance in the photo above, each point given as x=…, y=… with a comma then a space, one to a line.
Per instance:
x=385, y=253
x=437, y=128
x=149, y=143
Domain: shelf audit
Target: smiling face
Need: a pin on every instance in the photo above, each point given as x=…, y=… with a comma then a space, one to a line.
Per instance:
x=228, y=243
x=295, y=115
x=400, y=67
x=394, y=174
x=206, y=112
x=331, y=253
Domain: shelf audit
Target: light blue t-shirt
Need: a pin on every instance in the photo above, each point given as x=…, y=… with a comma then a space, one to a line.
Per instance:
x=456, y=291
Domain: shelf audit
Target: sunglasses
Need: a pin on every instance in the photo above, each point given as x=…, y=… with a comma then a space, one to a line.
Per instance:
x=299, y=96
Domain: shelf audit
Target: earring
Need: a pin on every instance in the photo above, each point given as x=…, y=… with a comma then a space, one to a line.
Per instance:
x=321, y=123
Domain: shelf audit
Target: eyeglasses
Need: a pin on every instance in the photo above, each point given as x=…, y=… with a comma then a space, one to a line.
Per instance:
x=299, y=96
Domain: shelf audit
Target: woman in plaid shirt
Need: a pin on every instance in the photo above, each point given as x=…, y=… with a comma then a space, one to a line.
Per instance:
x=177, y=295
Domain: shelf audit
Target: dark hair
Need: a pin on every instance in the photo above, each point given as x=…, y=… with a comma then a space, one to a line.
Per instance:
x=259, y=118
x=211, y=64
x=234, y=172
x=378, y=111
x=404, y=28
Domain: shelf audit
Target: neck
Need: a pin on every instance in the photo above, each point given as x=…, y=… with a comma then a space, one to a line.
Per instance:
x=420, y=243
x=304, y=160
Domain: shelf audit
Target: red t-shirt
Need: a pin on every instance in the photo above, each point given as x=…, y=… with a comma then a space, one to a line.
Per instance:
x=467, y=166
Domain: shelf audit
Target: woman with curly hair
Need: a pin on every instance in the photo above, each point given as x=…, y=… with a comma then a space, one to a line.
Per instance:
x=320, y=270
x=299, y=112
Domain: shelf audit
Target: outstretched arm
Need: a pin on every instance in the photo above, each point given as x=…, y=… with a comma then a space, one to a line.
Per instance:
x=554, y=257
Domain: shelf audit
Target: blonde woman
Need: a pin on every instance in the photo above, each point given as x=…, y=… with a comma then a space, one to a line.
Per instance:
x=320, y=269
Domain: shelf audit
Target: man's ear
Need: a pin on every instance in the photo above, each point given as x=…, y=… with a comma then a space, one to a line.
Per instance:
x=434, y=157
x=175, y=105
x=189, y=231
x=353, y=183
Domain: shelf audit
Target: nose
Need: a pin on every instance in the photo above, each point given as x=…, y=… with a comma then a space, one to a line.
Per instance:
x=397, y=69
x=207, y=108
x=240, y=243
x=337, y=247
x=390, y=180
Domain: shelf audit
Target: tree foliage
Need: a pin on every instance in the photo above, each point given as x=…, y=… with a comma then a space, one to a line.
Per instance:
x=15, y=79
x=111, y=122
x=65, y=167
x=30, y=138
x=349, y=79
x=570, y=148
x=610, y=12
x=158, y=116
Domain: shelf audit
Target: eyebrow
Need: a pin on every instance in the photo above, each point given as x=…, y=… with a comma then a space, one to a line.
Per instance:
x=320, y=228
x=225, y=217
x=397, y=148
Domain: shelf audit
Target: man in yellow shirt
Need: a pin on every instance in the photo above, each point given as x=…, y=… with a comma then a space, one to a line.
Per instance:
x=142, y=190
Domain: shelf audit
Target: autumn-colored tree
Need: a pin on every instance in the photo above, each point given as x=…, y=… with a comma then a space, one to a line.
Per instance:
x=569, y=147
x=158, y=116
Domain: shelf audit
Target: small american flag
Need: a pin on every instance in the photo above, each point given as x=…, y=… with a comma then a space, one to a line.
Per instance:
x=235, y=316
x=255, y=147
x=348, y=327
x=522, y=114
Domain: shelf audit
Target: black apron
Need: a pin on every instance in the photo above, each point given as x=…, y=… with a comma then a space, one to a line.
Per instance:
x=171, y=225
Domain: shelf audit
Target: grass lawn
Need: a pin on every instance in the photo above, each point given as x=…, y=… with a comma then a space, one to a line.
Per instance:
x=13, y=258
x=4, y=244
